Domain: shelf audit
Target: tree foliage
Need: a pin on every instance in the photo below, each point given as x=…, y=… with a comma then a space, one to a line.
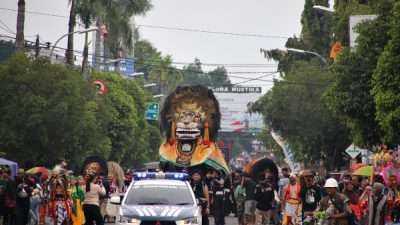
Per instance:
x=350, y=96
x=50, y=112
x=386, y=81
x=296, y=109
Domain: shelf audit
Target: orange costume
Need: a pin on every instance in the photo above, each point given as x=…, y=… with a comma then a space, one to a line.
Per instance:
x=292, y=199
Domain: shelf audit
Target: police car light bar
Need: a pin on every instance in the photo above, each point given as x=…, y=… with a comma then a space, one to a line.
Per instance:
x=160, y=175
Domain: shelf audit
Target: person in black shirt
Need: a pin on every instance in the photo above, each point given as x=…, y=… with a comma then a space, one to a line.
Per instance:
x=250, y=202
x=201, y=193
x=310, y=196
x=219, y=202
x=264, y=194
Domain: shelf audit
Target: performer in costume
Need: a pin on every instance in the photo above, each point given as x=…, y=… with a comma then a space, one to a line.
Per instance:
x=190, y=119
x=77, y=196
x=59, y=204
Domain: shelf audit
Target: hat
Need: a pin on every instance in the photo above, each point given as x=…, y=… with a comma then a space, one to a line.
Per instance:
x=307, y=173
x=331, y=183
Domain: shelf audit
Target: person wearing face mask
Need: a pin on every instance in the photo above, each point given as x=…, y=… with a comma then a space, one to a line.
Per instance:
x=291, y=202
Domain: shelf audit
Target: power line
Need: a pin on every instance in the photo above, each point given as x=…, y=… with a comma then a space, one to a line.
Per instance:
x=150, y=26
x=35, y=12
x=266, y=73
x=7, y=27
x=211, y=32
x=253, y=79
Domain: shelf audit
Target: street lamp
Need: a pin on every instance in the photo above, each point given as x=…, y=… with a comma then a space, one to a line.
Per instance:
x=323, y=8
x=307, y=52
x=158, y=96
x=65, y=35
x=111, y=61
x=135, y=74
x=150, y=85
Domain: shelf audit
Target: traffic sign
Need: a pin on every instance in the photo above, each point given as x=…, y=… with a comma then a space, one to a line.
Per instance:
x=152, y=111
x=353, y=151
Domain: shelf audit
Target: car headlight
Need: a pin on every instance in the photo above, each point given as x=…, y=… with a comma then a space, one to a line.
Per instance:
x=127, y=220
x=190, y=221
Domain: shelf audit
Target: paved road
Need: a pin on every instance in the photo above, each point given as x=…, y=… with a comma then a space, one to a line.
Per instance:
x=228, y=221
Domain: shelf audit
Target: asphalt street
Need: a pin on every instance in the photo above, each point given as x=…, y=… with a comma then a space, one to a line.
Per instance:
x=228, y=221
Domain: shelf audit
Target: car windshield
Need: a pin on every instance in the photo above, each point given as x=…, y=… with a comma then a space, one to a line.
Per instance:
x=159, y=195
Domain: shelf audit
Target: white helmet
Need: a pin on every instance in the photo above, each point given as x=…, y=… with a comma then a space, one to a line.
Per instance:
x=331, y=183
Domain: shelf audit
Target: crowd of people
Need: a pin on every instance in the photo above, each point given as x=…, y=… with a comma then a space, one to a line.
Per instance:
x=270, y=198
x=304, y=197
x=60, y=199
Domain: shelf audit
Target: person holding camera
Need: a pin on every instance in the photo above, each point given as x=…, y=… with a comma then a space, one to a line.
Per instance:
x=265, y=196
x=93, y=191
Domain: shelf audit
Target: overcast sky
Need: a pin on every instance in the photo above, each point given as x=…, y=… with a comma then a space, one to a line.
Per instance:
x=265, y=17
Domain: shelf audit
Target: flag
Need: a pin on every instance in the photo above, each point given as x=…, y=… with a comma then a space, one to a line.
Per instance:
x=335, y=50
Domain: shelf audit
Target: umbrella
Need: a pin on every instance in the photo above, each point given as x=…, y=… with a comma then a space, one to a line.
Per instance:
x=356, y=166
x=257, y=167
x=366, y=171
x=39, y=169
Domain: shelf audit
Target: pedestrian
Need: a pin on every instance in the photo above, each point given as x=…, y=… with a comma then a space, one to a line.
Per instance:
x=311, y=194
x=201, y=193
x=334, y=204
x=377, y=205
x=219, y=202
x=250, y=202
x=291, y=202
x=353, y=196
x=265, y=195
x=240, y=197
x=24, y=191
x=3, y=185
x=35, y=201
x=94, y=189
x=9, y=199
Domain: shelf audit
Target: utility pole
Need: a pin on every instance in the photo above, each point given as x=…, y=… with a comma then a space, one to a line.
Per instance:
x=20, y=38
x=37, y=46
x=69, y=55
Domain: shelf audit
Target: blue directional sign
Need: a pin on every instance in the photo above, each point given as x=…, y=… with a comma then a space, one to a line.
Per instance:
x=152, y=111
x=127, y=67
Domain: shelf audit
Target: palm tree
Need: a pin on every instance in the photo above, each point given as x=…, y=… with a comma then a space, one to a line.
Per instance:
x=118, y=19
x=20, y=39
x=87, y=10
x=116, y=15
x=69, y=55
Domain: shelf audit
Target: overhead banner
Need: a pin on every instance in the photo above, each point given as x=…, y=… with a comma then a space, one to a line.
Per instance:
x=233, y=103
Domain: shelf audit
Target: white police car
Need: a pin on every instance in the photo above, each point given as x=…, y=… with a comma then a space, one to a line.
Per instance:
x=159, y=199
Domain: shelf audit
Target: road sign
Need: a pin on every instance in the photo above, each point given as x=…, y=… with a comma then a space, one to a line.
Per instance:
x=152, y=111
x=353, y=151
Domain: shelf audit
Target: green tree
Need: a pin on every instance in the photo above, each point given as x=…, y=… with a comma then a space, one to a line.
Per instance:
x=350, y=95
x=46, y=112
x=386, y=81
x=316, y=27
x=295, y=108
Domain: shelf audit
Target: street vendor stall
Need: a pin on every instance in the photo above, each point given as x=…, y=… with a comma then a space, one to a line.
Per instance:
x=12, y=165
